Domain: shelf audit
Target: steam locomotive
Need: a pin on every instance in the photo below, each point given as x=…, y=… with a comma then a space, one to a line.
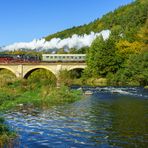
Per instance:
x=19, y=58
x=52, y=58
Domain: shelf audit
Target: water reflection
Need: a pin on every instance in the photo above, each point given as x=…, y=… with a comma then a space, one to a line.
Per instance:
x=129, y=122
x=104, y=119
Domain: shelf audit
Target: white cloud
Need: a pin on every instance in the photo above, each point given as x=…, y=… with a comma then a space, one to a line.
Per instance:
x=75, y=41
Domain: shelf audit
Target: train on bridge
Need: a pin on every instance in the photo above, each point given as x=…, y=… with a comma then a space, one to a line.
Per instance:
x=19, y=58
x=63, y=57
x=52, y=58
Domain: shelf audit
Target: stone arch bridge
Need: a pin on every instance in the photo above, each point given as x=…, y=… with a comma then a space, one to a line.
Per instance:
x=24, y=70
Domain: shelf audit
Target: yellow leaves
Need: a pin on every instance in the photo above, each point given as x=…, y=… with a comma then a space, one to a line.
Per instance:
x=143, y=1
x=125, y=47
x=143, y=33
x=100, y=25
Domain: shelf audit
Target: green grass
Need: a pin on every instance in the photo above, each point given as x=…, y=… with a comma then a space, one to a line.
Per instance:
x=40, y=97
x=37, y=92
x=6, y=136
x=43, y=98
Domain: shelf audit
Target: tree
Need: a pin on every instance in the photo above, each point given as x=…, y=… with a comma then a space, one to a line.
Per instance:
x=135, y=71
x=126, y=48
x=143, y=36
x=101, y=57
x=137, y=65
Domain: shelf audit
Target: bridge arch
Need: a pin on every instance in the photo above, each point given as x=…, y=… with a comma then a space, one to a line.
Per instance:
x=76, y=71
x=30, y=70
x=9, y=69
x=76, y=67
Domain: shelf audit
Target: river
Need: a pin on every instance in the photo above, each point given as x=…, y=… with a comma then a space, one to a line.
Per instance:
x=110, y=117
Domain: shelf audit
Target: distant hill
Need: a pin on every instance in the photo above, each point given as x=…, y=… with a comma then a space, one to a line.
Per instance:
x=126, y=19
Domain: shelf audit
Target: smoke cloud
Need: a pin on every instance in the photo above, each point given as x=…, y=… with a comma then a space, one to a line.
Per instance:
x=75, y=41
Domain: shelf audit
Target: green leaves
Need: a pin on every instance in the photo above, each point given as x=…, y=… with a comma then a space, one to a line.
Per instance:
x=134, y=72
x=126, y=19
x=102, y=58
x=137, y=65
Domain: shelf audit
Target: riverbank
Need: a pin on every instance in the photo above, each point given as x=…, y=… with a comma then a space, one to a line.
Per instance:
x=6, y=135
x=30, y=94
x=107, y=115
x=38, y=92
x=39, y=97
x=96, y=82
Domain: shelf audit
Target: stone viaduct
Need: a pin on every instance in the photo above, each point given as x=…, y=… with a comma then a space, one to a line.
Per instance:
x=24, y=70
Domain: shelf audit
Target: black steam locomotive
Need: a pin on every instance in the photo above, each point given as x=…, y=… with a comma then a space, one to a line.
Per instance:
x=19, y=58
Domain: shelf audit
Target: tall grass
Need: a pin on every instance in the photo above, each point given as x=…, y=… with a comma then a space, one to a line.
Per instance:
x=6, y=136
x=39, y=91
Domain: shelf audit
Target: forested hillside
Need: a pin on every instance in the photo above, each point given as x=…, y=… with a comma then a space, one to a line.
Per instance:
x=122, y=59
x=126, y=19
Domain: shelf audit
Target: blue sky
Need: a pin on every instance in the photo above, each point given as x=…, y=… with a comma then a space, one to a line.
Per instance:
x=25, y=20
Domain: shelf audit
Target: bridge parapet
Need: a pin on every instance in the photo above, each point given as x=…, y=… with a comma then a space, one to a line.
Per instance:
x=22, y=70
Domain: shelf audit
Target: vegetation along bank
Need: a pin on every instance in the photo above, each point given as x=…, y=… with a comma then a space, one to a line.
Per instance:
x=122, y=59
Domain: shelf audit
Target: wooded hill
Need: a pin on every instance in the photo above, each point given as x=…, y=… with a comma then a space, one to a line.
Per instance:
x=126, y=19
x=122, y=59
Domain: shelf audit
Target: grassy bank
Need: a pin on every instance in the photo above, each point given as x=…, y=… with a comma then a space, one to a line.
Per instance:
x=39, y=97
x=6, y=136
x=38, y=91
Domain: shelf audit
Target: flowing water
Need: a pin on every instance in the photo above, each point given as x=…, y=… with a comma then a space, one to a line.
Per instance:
x=110, y=117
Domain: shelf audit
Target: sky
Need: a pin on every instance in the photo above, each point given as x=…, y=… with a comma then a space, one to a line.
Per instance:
x=25, y=20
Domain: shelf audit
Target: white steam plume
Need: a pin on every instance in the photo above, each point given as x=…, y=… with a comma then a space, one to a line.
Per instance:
x=75, y=41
